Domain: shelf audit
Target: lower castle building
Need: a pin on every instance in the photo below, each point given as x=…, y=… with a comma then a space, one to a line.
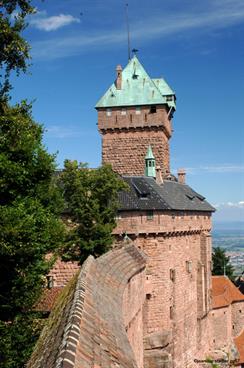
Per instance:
x=151, y=302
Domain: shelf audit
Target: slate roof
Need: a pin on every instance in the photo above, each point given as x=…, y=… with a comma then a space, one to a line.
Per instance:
x=146, y=194
x=137, y=89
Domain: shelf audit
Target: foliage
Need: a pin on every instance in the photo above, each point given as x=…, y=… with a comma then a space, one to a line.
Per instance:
x=221, y=263
x=23, y=332
x=14, y=50
x=92, y=198
x=30, y=204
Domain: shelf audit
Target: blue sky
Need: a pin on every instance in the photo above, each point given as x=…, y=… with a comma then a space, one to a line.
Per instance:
x=197, y=46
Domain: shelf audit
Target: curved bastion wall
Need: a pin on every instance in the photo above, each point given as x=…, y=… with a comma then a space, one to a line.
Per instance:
x=97, y=321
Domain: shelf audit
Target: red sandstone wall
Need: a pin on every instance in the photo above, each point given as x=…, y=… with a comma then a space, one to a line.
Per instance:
x=134, y=223
x=133, y=300
x=126, y=137
x=176, y=246
x=221, y=327
x=126, y=150
x=130, y=118
x=237, y=316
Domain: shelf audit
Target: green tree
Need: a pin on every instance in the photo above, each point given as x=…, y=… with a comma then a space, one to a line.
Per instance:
x=14, y=50
x=30, y=227
x=30, y=203
x=221, y=263
x=92, y=199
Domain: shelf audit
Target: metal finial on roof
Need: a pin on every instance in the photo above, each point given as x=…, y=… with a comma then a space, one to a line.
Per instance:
x=149, y=154
x=126, y=238
x=128, y=29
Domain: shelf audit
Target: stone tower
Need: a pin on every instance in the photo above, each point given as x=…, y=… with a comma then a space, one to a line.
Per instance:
x=135, y=112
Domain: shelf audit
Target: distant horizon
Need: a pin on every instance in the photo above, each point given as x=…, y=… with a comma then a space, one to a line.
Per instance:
x=228, y=225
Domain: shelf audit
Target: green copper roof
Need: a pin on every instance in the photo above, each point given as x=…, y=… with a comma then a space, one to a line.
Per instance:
x=163, y=87
x=137, y=89
x=149, y=154
x=166, y=91
x=150, y=169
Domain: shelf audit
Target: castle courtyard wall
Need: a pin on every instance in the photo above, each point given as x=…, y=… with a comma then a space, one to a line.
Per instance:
x=237, y=317
x=174, y=259
x=133, y=301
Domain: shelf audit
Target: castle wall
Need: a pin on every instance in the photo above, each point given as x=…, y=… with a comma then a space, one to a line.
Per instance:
x=126, y=150
x=174, y=256
x=127, y=133
x=221, y=324
x=135, y=222
x=134, y=117
x=133, y=300
x=237, y=316
x=87, y=326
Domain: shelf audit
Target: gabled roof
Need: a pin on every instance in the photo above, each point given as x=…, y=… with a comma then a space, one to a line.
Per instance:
x=224, y=292
x=170, y=195
x=137, y=89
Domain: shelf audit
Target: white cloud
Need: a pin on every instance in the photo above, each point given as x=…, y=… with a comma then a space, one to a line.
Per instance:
x=42, y=22
x=226, y=168
x=219, y=15
x=226, y=205
x=56, y=131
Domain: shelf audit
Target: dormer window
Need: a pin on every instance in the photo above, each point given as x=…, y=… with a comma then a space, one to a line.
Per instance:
x=153, y=109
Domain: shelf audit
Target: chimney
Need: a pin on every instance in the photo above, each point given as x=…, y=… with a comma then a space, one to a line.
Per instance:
x=181, y=176
x=159, y=178
x=118, y=82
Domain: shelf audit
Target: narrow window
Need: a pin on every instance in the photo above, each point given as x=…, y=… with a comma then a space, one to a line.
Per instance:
x=171, y=312
x=153, y=109
x=189, y=266
x=131, y=118
x=145, y=117
x=138, y=110
x=116, y=119
x=109, y=112
x=123, y=111
x=172, y=274
x=149, y=215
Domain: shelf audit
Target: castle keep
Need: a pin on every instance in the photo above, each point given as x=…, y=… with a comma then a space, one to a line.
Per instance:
x=135, y=111
x=151, y=302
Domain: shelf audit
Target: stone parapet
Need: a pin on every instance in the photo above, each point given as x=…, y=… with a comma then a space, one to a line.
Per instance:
x=87, y=328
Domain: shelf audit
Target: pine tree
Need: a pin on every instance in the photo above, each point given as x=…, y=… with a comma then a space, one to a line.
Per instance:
x=221, y=263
